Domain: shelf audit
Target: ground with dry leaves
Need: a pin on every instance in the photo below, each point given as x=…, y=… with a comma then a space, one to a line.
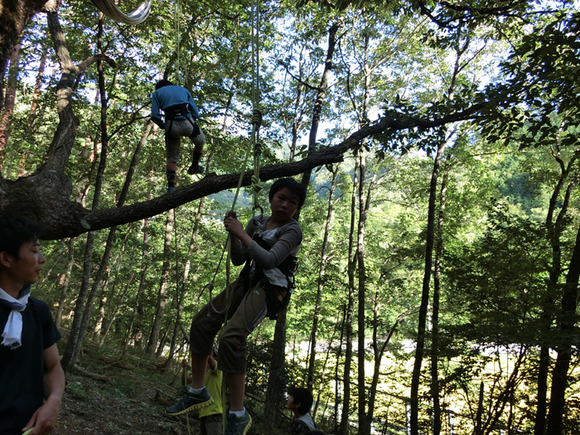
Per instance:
x=112, y=396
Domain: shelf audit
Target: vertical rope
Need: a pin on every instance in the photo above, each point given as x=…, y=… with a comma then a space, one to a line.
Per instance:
x=177, y=31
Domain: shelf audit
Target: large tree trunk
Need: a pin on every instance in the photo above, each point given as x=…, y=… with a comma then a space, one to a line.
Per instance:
x=14, y=17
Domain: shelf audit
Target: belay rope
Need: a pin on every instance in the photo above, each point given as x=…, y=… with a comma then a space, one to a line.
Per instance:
x=256, y=185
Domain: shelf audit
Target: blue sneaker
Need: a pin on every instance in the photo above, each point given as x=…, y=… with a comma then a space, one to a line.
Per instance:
x=238, y=425
x=189, y=402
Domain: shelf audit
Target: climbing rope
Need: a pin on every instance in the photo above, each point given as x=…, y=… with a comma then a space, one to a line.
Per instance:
x=256, y=184
x=110, y=9
x=177, y=32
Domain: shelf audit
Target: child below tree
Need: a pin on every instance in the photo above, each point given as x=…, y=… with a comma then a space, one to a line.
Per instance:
x=268, y=247
x=300, y=402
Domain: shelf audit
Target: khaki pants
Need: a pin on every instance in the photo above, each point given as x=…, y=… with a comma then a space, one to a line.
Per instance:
x=176, y=129
x=246, y=312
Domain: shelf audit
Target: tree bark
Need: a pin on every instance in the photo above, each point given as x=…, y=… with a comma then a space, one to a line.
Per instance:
x=555, y=229
x=63, y=293
x=7, y=110
x=163, y=284
x=435, y=310
x=567, y=339
x=364, y=424
x=344, y=418
x=321, y=279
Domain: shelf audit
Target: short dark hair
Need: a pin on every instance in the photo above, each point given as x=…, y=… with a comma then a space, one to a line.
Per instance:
x=293, y=186
x=162, y=83
x=302, y=396
x=15, y=231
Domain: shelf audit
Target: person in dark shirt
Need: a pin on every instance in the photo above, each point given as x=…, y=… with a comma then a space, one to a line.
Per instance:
x=299, y=402
x=31, y=378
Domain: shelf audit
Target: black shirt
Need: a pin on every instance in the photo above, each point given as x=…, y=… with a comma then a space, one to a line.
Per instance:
x=22, y=369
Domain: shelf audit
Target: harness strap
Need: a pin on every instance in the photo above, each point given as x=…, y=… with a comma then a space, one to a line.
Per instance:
x=277, y=297
x=176, y=110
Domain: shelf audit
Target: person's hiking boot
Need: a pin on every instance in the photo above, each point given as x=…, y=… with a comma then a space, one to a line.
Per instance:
x=195, y=169
x=238, y=425
x=190, y=401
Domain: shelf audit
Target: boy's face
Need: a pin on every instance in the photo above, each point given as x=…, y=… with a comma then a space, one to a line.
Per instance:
x=284, y=204
x=291, y=405
x=27, y=267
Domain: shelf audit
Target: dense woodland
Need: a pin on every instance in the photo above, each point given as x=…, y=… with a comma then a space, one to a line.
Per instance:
x=438, y=279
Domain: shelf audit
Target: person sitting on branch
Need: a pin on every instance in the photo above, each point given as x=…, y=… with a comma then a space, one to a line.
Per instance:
x=173, y=109
x=268, y=247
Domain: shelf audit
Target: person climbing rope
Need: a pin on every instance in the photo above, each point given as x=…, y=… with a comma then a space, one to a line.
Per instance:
x=268, y=246
x=173, y=109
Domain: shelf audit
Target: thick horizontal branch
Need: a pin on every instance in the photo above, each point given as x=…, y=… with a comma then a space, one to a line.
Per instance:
x=73, y=220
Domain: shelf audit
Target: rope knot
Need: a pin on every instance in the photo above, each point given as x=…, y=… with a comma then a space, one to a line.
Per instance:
x=256, y=184
x=257, y=149
x=257, y=117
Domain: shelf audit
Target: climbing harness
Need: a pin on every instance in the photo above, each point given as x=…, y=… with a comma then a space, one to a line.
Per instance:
x=111, y=10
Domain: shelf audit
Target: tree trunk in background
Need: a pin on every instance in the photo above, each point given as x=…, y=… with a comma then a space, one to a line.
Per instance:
x=181, y=291
x=81, y=320
x=344, y=418
x=163, y=283
x=555, y=229
x=38, y=85
x=435, y=309
x=277, y=367
x=73, y=344
x=337, y=378
x=567, y=339
x=69, y=266
x=114, y=310
x=109, y=303
x=460, y=49
x=7, y=110
x=320, y=95
x=321, y=279
x=422, y=323
x=143, y=276
x=364, y=423
x=275, y=392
